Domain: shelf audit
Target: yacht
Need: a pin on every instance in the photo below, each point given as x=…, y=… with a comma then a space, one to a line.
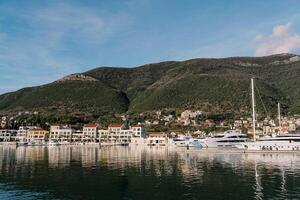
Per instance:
x=281, y=142
x=186, y=142
x=229, y=139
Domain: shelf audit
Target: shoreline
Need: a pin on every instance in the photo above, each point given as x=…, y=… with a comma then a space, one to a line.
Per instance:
x=191, y=150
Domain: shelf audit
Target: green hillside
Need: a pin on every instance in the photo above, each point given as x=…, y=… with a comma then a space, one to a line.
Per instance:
x=212, y=85
x=68, y=96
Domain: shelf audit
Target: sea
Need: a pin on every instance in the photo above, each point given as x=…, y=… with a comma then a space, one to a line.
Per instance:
x=154, y=173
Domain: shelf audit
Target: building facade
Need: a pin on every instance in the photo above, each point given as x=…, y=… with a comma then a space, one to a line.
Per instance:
x=157, y=139
x=61, y=134
x=22, y=133
x=37, y=136
x=90, y=133
x=7, y=135
x=116, y=134
x=138, y=131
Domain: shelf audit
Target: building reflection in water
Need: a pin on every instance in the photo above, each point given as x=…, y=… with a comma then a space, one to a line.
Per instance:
x=157, y=157
x=191, y=166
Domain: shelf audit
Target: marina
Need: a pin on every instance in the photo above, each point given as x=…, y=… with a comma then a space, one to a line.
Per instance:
x=146, y=99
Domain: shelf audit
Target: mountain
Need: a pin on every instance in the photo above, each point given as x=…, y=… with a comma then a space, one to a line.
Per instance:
x=212, y=85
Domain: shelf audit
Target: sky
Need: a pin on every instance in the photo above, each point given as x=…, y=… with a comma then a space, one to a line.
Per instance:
x=42, y=41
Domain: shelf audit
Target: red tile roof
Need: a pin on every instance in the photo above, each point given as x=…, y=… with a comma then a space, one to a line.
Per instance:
x=153, y=134
x=90, y=125
x=115, y=125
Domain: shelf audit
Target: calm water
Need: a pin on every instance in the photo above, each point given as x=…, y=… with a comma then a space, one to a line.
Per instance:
x=149, y=173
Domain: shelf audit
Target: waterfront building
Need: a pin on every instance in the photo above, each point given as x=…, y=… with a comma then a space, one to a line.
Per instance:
x=60, y=133
x=37, y=136
x=22, y=133
x=138, y=131
x=118, y=134
x=7, y=135
x=157, y=139
x=138, y=135
x=104, y=137
x=90, y=132
x=77, y=136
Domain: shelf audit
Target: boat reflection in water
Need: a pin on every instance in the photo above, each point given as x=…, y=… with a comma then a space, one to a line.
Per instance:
x=86, y=172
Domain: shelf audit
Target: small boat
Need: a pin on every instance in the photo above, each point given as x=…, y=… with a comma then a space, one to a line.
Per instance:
x=52, y=144
x=187, y=142
x=22, y=143
x=32, y=143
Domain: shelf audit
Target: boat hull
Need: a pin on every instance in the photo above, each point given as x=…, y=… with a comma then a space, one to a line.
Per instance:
x=269, y=146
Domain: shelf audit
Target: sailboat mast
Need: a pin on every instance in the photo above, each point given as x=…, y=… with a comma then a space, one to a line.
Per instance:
x=279, y=117
x=253, y=107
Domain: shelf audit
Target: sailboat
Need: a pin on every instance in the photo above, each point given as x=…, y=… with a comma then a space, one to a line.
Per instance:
x=281, y=142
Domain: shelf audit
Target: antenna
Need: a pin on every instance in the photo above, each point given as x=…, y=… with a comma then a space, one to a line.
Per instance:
x=253, y=107
x=279, y=117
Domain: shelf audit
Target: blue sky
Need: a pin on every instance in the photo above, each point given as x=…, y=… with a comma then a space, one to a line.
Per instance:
x=41, y=41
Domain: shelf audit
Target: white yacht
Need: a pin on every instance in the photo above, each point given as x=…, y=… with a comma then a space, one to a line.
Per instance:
x=281, y=142
x=186, y=142
x=229, y=139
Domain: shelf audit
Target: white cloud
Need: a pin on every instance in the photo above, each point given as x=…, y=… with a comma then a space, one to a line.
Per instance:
x=281, y=40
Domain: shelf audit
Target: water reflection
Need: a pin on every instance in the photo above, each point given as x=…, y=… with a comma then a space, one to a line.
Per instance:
x=88, y=172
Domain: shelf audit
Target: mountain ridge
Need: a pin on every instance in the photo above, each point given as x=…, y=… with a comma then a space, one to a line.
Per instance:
x=212, y=85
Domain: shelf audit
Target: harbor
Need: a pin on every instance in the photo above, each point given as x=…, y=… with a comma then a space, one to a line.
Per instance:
x=136, y=135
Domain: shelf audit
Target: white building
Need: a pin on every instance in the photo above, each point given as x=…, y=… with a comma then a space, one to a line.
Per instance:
x=22, y=133
x=7, y=135
x=138, y=135
x=118, y=134
x=60, y=133
x=157, y=139
x=90, y=133
x=138, y=131
x=104, y=137
x=77, y=136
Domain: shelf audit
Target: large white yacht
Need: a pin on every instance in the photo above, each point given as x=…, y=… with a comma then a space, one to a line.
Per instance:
x=281, y=142
x=228, y=139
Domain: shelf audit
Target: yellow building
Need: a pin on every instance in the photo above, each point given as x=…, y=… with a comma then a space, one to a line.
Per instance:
x=37, y=135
